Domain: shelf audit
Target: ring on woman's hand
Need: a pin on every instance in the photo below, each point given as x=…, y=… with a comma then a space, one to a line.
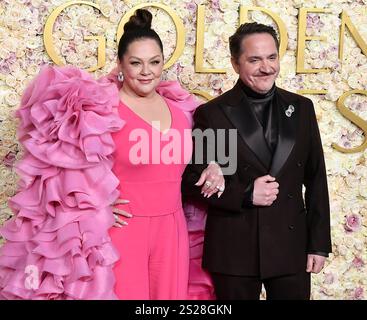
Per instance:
x=208, y=183
x=220, y=188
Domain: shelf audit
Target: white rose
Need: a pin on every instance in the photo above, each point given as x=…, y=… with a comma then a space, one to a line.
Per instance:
x=228, y=5
x=215, y=29
x=246, y=2
x=107, y=9
x=3, y=33
x=187, y=58
x=33, y=69
x=34, y=42
x=114, y=17
x=192, y=85
x=91, y=62
x=57, y=2
x=36, y=3
x=16, y=13
x=10, y=81
x=353, y=81
x=95, y=29
x=85, y=20
x=68, y=31
x=19, y=73
x=230, y=17
x=332, y=94
x=185, y=79
x=72, y=58
x=4, y=54
x=12, y=99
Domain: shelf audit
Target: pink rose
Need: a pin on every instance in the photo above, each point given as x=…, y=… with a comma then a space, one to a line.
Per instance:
x=215, y=4
x=329, y=278
x=9, y=159
x=358, y=293
x=191, y=7
x=357, y=262
x=352, y=223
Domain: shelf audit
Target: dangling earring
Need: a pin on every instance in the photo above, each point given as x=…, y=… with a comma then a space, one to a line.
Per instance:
x=120, y=76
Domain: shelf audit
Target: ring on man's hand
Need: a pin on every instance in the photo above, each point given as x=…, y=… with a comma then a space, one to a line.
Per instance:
x=220, y=188
x=208, y=183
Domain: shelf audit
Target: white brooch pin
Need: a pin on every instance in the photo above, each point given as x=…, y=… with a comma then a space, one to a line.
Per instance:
x=289, y=111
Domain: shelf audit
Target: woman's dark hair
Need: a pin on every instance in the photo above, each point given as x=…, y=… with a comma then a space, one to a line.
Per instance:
x=138, y=27
x=245, y=30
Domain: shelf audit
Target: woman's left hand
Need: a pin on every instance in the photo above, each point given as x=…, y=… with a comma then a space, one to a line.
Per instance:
x=212, y=180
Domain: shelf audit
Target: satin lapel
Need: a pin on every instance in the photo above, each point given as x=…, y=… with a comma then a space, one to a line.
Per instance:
x=238, y=112
x=287, y=129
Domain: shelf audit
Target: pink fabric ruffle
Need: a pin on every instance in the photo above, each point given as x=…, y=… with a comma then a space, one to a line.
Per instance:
x=200, y=283
x=58, y=245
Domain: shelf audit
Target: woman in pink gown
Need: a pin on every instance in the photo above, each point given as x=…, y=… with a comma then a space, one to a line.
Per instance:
x=154, y=245
x=88, y=143
x=152, y=150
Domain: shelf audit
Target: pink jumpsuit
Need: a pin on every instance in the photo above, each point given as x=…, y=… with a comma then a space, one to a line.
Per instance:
x=153, y=247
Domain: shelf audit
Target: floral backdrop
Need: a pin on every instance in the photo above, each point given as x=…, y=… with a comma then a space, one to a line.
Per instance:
x=22, y=53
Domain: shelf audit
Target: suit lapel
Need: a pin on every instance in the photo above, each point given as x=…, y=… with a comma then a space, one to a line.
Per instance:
x=287, y=129
x=240, y=114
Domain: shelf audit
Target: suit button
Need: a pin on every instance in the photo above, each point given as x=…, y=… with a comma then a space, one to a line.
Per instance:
x=299, y=164
x=290, y=196
x=291, y=227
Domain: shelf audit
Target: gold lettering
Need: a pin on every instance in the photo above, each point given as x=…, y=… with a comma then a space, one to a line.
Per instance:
x=353, y=31
x=47, y=36
x=283, y=35
x=302, y=40
x=203, y=94
x=180, y=29
x=199, y=50
x=359, y=122
x=311, y=91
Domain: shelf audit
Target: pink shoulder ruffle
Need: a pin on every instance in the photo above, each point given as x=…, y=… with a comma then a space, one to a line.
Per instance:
x=58, y=245
x=179, y=97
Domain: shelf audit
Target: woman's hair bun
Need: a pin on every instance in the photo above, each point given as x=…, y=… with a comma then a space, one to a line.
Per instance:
x=142, y=19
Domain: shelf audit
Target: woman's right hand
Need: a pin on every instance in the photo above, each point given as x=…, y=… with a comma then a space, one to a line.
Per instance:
x=118, y=212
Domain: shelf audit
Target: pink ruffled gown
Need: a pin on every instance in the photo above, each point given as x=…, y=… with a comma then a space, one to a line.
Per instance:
x=58, y=244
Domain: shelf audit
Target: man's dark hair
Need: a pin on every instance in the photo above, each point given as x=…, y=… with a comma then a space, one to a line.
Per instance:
x=245, y=30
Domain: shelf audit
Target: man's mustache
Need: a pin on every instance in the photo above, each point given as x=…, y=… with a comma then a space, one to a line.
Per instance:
x=264, y=74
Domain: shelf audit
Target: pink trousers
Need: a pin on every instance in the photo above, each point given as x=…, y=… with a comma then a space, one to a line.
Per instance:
x=154, y=258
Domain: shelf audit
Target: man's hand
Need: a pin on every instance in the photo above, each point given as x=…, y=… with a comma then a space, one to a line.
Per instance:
x=315, y=263
x=265, y=191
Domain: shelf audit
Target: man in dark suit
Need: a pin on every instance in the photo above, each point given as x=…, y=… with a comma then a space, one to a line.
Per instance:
x=262, y=230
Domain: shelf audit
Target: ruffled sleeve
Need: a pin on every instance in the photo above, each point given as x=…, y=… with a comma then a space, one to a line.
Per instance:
x=179, y=97
x=58, y=245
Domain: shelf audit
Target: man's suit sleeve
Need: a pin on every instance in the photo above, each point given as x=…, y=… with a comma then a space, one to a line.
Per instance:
x=232, y=198
x=316, y=195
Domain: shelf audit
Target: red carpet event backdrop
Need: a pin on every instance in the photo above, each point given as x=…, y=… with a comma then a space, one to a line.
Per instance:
x=323, y=56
